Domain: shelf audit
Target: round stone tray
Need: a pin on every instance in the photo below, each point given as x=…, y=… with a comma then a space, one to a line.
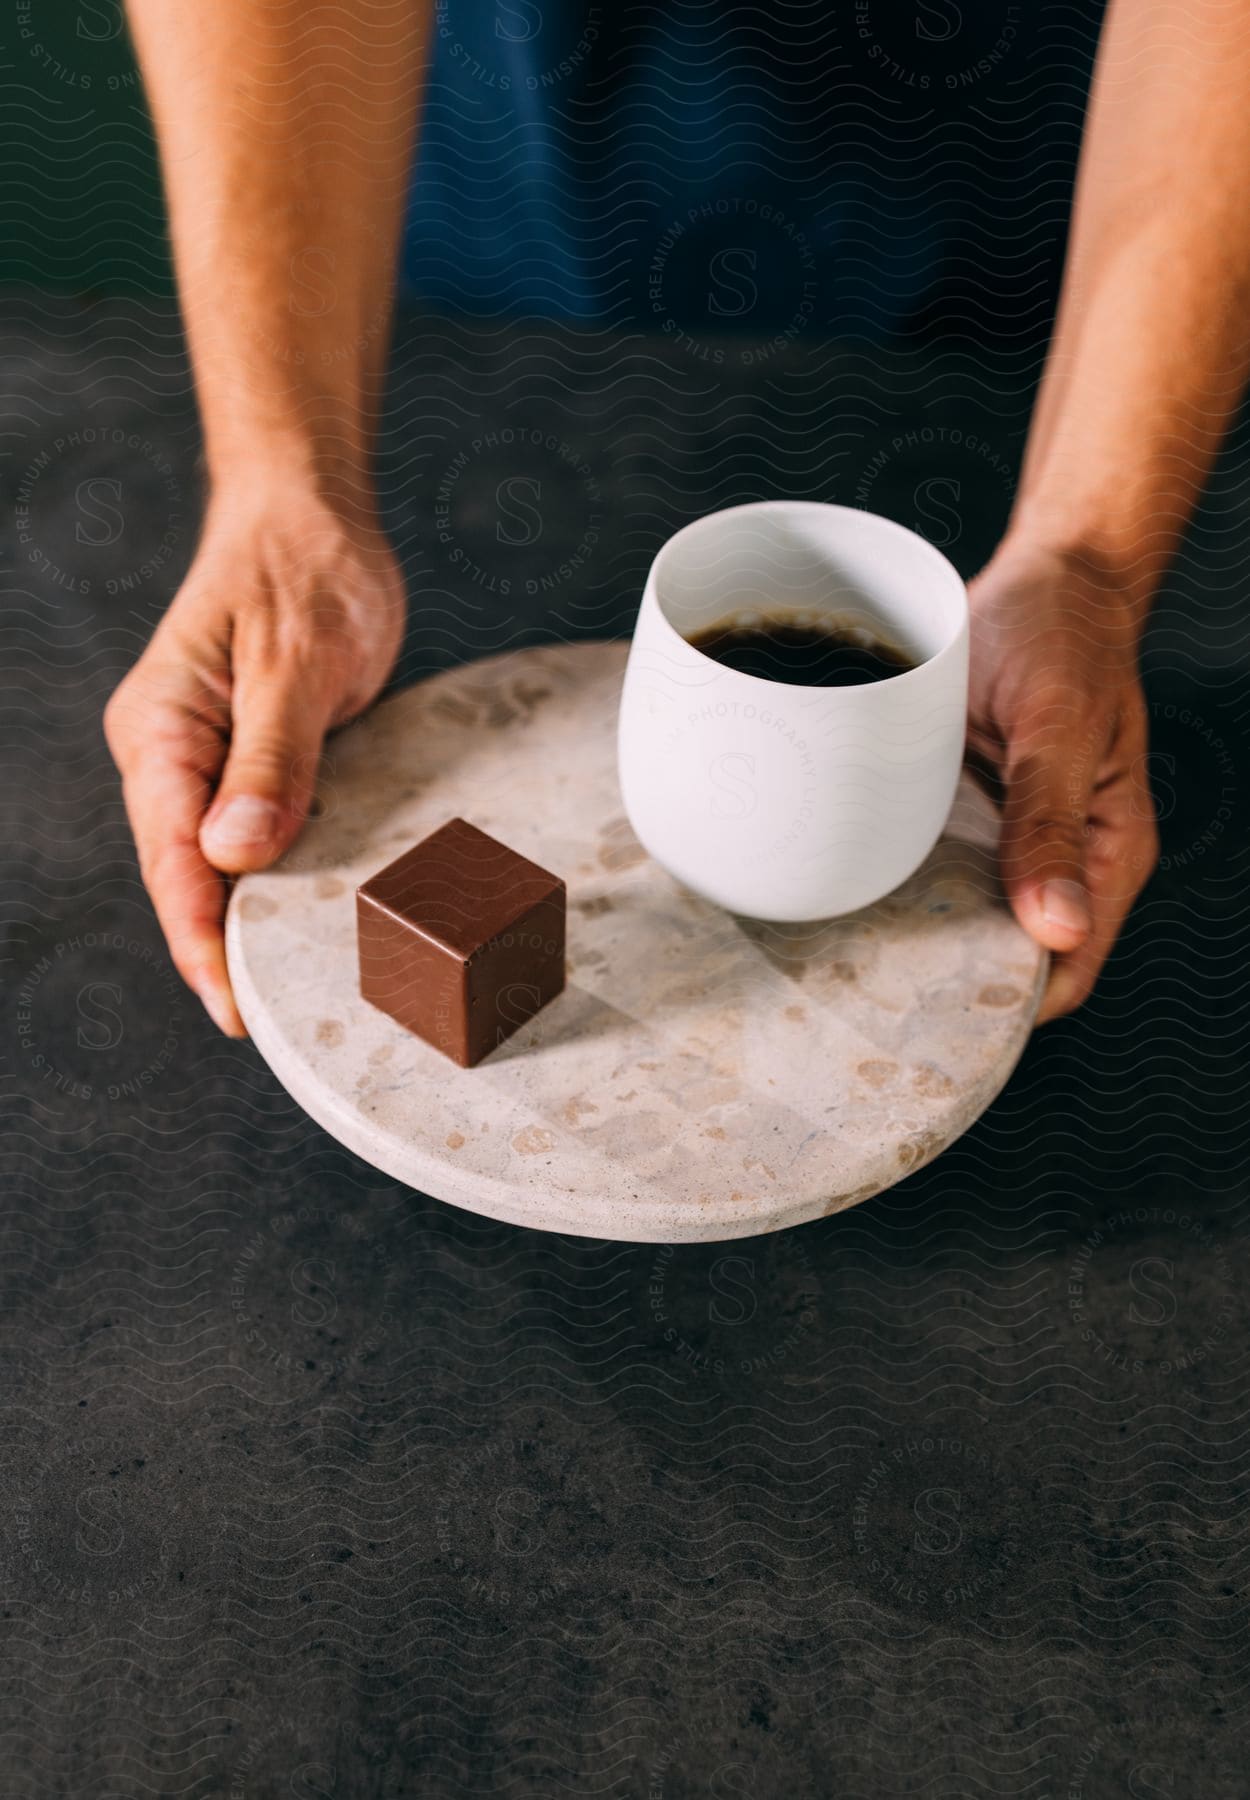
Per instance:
x=702, y=1076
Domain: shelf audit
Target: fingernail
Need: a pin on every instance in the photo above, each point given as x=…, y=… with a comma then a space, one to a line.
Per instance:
x=219, y=1007
x=244, y=820
x=1066, y=904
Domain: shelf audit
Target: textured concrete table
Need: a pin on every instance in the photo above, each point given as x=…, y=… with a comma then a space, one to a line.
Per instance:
x=702, y=1076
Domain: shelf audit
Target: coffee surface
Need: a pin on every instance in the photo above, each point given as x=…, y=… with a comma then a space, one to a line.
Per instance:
x=802, y=652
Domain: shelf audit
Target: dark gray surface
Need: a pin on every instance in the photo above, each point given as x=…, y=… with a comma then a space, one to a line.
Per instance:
x=314, y=1486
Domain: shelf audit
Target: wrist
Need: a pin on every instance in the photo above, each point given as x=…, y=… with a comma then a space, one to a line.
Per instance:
x=1107, y=544
x=264, y=468
x=1093, y=558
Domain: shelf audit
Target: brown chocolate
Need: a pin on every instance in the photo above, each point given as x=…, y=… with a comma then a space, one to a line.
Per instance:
x=461, y=940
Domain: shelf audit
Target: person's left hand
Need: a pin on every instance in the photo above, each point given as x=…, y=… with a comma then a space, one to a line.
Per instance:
x=287, y=625
x=1058, y=715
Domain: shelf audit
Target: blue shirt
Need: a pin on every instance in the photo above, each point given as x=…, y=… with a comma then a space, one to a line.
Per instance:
x=869, y=167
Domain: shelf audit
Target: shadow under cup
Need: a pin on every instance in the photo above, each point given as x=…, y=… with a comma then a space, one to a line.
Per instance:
x=776, y=800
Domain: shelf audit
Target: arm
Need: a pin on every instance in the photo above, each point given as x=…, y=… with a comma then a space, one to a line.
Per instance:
x=1148, y=363
x=286, y=137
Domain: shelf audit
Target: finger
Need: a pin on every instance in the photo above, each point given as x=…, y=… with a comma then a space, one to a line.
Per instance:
x=1049, y=772
x=167, y=756
x=1122, y=850
x=1073, y=975
x=190, y=900
x=279, y=723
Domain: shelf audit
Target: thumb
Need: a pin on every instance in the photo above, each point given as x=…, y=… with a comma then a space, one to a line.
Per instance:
x=267, y=785
x=1049, y=776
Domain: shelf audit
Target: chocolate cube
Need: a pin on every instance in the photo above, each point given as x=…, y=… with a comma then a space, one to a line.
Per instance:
x=461, y=940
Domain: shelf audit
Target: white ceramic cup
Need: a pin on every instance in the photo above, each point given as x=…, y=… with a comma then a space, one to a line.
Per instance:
x=780, y=802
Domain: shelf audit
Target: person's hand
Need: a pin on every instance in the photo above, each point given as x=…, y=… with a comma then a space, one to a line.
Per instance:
x=1058, y=716
x=288, y=623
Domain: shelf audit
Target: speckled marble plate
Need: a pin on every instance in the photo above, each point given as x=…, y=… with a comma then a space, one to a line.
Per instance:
x=702, y=1076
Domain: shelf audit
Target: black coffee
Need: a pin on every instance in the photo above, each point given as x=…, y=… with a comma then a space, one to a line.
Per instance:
x=802, y=653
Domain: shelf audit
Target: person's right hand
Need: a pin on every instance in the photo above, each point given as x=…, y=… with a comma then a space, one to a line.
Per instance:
x=288, y=623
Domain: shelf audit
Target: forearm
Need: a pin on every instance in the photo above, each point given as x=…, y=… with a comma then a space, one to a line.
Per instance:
x=1153, y=338
x=286, y=138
